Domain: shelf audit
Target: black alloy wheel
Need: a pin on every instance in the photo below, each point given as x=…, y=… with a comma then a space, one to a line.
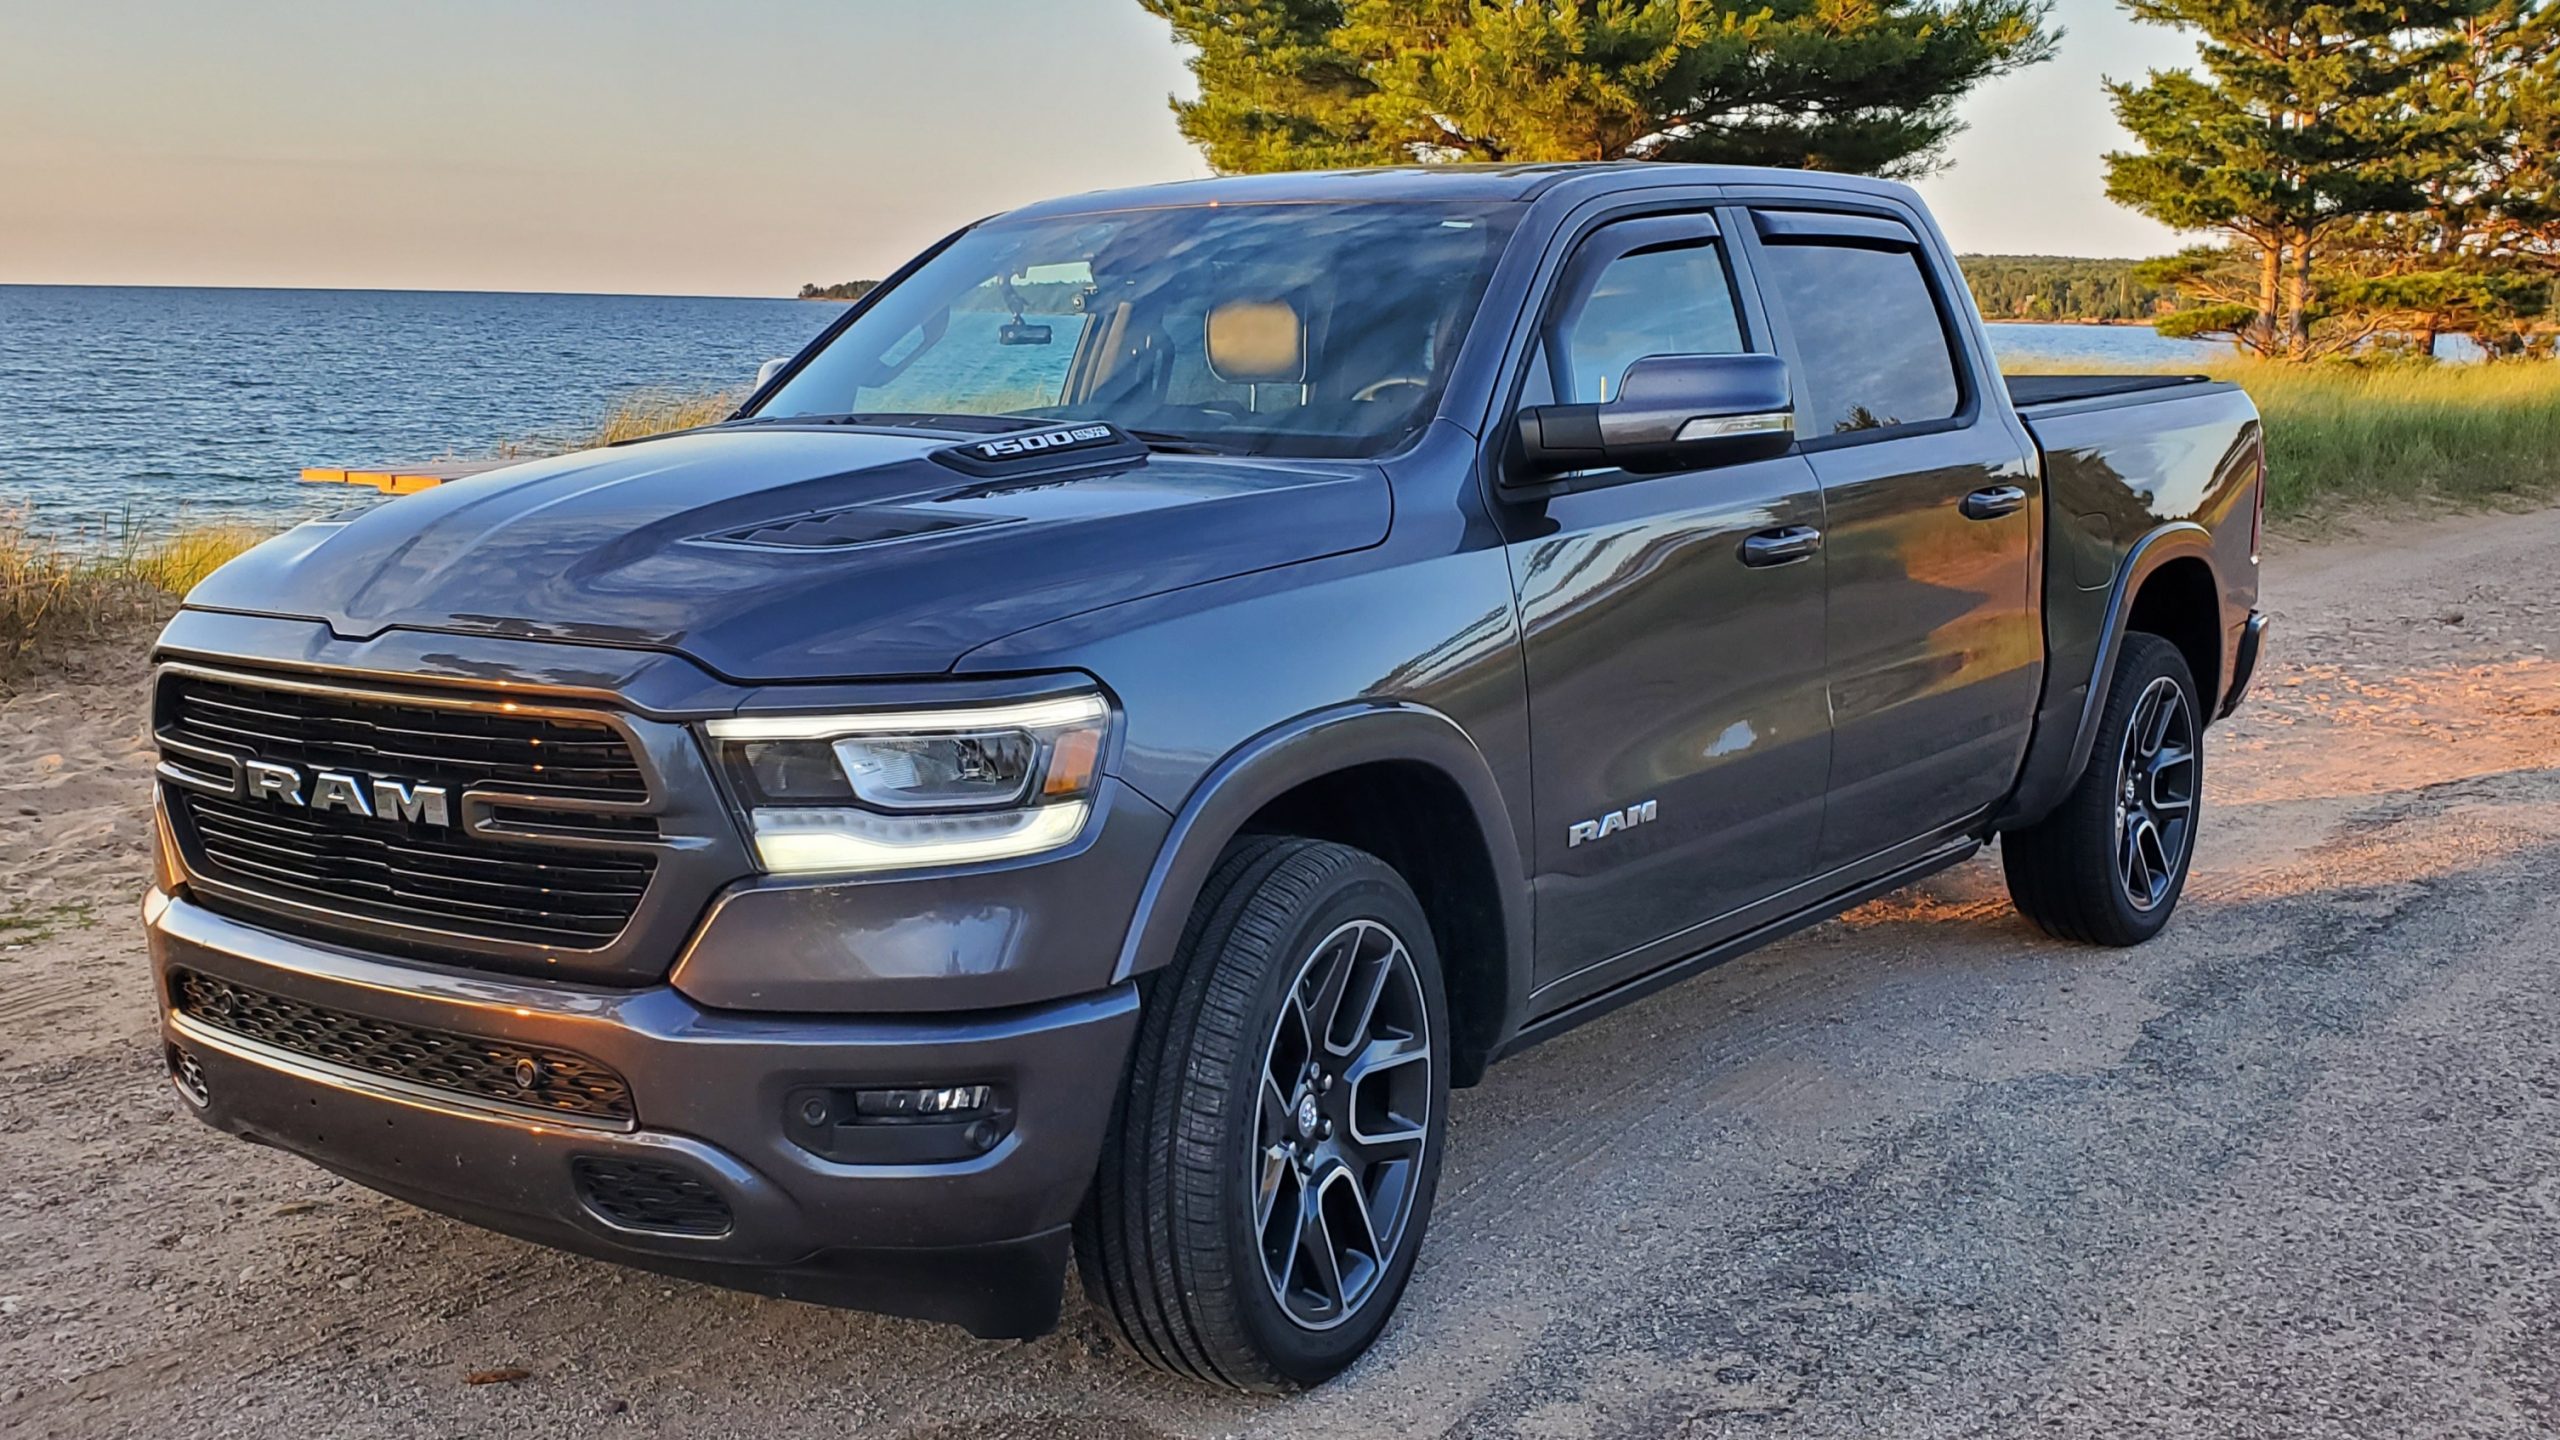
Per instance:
x=2156, y=779
x=1344, y=1123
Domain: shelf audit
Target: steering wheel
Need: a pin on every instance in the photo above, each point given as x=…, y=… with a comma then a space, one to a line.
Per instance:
x=1375, y=388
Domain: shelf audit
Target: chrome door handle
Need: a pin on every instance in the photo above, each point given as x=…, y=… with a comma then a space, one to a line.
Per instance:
x=1781, y=547
x=1994, y=502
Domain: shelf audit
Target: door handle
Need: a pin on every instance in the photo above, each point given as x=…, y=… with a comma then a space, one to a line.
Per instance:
x=1781, y=547
x=1994, y=502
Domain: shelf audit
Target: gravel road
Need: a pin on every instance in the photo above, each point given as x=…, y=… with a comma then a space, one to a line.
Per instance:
x=2292, y=1169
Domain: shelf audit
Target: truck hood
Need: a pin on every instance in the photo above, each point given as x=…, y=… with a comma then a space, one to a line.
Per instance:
x=796, y=554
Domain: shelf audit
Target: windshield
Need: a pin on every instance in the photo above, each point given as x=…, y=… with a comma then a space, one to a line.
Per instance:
x=1267, y=329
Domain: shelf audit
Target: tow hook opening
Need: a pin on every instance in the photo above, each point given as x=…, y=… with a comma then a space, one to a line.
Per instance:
x=188, y=1077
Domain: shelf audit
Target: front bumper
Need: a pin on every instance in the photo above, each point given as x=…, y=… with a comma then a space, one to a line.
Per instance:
x=979, y=1242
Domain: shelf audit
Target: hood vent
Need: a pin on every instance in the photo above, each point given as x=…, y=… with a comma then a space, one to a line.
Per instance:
x=846, y=529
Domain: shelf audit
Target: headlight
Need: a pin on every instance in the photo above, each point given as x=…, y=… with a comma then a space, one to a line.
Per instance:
x=892, y=790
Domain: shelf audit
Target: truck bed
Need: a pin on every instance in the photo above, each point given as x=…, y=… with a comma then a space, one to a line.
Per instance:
x=2026, y=391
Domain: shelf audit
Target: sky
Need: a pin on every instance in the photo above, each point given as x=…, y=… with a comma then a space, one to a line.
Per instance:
x=656, y=147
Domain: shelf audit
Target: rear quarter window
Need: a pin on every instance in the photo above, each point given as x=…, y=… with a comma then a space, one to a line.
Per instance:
x=1868, y=334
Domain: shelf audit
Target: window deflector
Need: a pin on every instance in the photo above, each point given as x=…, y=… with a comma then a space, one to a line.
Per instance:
x=1817, y=227
x=1605, y=247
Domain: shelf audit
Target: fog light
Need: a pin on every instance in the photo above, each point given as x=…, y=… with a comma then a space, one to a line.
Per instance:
x=907, y=1125
x=948, y=1102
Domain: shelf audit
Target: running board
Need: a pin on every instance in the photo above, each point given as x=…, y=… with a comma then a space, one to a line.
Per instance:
x=1547, y=1027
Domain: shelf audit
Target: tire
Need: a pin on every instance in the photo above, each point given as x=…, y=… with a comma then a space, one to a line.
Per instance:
x=1171, y=1242
x=2108, y=865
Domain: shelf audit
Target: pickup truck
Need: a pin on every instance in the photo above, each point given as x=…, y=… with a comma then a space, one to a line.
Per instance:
x=1151, y=699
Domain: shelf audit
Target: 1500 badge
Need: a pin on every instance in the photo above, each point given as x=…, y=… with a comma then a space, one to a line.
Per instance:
x=1033, y=451
x=1012, y=445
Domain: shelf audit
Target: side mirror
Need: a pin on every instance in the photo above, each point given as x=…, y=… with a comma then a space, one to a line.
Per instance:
x=766, y=371
x=1673, y=412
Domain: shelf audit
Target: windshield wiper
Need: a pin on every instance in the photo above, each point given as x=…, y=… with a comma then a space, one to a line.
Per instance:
x=903, y=420
x=1173, y=442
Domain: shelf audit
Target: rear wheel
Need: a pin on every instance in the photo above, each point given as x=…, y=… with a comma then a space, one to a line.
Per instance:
x=1272, y=1158
x=2108, y=865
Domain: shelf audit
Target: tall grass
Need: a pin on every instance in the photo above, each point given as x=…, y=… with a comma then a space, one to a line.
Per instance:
x=2341, y=438
x=56, y=596
x=2346, y=437
x=630, y=416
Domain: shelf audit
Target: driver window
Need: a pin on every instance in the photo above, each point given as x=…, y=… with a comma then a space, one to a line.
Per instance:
x=1669, y=299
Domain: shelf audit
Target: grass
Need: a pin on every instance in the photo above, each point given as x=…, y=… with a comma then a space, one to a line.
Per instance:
x=24, y=925
x=630, y=416
x=2343, y=438
x=56, y=595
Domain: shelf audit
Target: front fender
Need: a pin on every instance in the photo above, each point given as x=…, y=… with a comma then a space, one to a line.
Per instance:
x=1310, y=747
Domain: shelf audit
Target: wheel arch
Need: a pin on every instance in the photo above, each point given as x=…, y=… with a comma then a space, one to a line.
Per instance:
x=2179, y=557
x=1401, y=781
x=2179, y=600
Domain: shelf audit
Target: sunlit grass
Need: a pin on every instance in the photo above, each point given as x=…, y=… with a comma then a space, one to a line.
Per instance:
x=629, y=417
x=57, y=594
x=2345, y=437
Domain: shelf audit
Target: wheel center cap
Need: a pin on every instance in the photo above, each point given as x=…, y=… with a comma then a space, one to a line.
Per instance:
x=1307, y=1116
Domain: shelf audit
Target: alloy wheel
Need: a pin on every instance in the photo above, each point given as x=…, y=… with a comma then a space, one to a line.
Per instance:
x=2155, y=794
x=1343, y=1119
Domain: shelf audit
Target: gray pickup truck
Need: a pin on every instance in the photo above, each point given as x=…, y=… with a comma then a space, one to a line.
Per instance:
x=1151, y=699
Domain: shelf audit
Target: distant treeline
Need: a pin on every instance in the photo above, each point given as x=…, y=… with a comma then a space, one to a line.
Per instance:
x=2007, y=287
x=1042, y=297
x=2060, y=287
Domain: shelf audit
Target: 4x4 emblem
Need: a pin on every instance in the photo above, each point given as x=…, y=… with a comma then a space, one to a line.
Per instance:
x=375, y=797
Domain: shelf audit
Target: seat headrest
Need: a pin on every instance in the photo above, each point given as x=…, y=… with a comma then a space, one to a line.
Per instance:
x=1257, y=342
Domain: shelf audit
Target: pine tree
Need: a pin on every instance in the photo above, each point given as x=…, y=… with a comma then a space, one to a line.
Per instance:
x=2309, y=118
x=1866, y=85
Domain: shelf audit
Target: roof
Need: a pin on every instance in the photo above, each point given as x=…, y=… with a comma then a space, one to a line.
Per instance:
x=1391, y=183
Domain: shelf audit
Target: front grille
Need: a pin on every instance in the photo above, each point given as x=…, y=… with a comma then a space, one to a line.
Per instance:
x=320, y=729
x=644, y=1195
x=327, y=868
x=501, y=1070
x=409, y=875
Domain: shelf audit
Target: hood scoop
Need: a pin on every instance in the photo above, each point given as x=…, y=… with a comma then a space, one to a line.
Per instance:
x=851, y=528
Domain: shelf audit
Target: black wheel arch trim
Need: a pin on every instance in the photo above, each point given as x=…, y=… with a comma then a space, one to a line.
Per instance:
x=2045, y=775
x=1312, y=747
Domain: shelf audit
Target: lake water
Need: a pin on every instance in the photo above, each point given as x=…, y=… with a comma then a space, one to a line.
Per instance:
x=139, y=405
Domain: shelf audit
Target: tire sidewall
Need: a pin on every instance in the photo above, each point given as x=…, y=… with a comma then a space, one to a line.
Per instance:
x=1308, y=1356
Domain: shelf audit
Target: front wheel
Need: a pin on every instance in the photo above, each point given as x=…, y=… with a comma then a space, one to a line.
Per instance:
x=1271, y=1161
x=2107, y=866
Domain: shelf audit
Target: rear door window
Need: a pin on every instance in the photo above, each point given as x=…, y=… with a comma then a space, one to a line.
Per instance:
x=1868, y=334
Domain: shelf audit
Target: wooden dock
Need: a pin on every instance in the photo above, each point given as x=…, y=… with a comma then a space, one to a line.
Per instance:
x=401, y=479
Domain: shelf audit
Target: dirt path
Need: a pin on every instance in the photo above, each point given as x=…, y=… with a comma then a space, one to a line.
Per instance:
x=2292, y=1169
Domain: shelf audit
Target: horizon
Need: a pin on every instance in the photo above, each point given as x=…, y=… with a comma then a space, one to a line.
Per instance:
x=364, y=148
x=794, y=296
